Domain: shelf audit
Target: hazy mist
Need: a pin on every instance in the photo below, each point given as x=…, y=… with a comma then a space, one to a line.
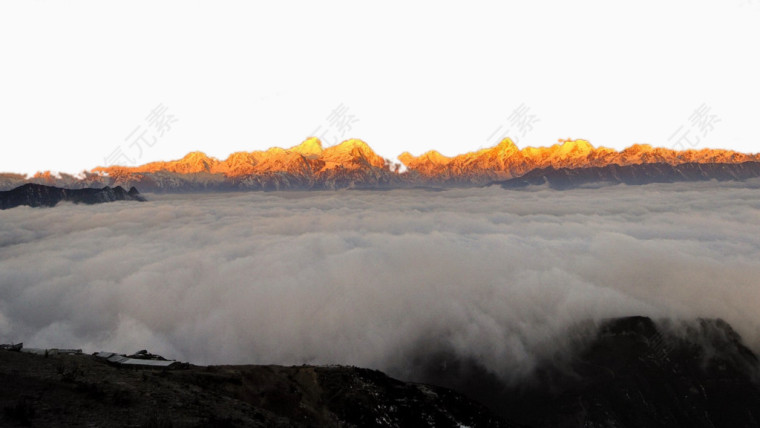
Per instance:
x=373, y=278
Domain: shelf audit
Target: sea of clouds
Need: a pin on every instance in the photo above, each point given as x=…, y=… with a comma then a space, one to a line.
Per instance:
x=374, y=278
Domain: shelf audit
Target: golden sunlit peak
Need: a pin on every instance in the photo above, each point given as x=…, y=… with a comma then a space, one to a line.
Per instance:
x=434, y=155
x=405, y=158
x=639, y=148
x=196, y=156
x=569, y=145
x=310, y=147
x=506, y=143
x=353, y=143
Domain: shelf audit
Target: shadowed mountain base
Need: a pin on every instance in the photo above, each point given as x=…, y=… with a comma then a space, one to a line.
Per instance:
x=568, y=178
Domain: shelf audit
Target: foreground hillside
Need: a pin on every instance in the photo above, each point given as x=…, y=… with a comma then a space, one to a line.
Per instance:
x=631, y=372
x=81, y=390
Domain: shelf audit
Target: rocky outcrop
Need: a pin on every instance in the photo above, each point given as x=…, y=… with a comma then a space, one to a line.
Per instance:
x=59, y=390
x=624, y=372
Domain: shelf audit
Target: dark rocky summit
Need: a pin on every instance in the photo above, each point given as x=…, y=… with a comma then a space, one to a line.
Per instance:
x=632, y=372
x=37, y=195
x=636, y=374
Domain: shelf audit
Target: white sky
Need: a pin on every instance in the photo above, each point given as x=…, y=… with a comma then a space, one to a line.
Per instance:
x=77, y=77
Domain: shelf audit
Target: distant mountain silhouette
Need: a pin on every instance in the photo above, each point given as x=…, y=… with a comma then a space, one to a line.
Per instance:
x=37, y=195
x=566, y=178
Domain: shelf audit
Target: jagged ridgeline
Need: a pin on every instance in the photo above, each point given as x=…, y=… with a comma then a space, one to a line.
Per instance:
x=353, y=164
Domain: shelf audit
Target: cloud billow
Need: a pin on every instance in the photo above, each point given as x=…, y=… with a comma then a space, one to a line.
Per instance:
x=374, y=278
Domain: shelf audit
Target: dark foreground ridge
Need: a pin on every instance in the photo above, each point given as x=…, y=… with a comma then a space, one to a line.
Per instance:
x=638, y=174
x=37, y=195
x=626, y=372
x=62, y=390
x=630, y=372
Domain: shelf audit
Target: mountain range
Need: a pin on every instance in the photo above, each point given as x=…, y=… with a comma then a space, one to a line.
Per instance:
x=353, y=164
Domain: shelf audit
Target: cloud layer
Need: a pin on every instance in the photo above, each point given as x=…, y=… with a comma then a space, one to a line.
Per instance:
x=374, y=278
